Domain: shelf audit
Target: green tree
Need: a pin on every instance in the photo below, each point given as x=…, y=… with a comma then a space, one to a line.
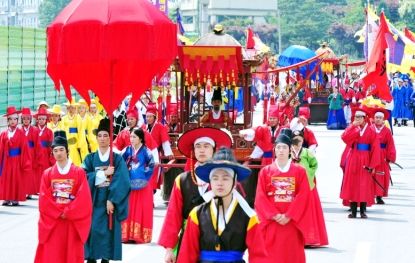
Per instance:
x=49, y=9
x=382, y=6
x=407, y=13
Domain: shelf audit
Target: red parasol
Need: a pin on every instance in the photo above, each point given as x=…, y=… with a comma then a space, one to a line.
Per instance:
x=109, y=47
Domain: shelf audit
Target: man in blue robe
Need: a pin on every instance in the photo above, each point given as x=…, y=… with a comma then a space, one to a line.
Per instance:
x=110, y=189
x=398, y=94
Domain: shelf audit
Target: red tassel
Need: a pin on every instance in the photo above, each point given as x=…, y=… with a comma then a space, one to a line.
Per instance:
x=265, y=109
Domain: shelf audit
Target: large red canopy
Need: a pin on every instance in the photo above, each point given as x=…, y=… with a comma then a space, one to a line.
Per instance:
x=111, y=47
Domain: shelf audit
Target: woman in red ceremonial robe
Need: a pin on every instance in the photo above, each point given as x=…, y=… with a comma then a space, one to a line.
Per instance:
x=317, y=235
x=162, y=139
x=138, y=227
x=362, y=150
x=65, y=208
x=45, y=138
x=35, y=152
x=14, y=161
x=282, y=203
x=387, y=152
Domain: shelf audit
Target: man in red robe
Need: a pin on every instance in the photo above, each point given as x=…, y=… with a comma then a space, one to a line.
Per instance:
x=65, y=208
x=283, y=205
x=198, y=145
x=35, y=152
x=387, y=150
x=174, y=125
x=14, y=161
x=264, y=136
x=235, y=231
x=162, y=139
x=310, y=141
x=361, y=160
x=216, y=115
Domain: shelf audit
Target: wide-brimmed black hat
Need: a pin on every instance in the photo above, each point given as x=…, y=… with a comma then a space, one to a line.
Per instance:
x=217, y=94
x=59, y=139
x=284, y=137
x=223, y=158
x=104, y=125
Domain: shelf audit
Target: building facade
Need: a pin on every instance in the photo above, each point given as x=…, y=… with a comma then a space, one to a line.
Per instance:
x=199, y=15
x=22, y=13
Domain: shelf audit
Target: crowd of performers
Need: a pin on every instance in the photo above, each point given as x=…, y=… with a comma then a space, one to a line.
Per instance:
x=90, y=202
x=350, y=95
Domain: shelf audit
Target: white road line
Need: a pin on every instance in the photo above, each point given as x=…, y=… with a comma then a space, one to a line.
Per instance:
x=362, y=252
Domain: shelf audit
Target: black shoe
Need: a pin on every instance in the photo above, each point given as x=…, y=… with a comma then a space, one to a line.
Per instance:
x=363, y=215
x=379, y=200
x=5, y=203
x=29, y=197
x=105, y=261
x=399, y=125
x=405, y=123
x=91, y=261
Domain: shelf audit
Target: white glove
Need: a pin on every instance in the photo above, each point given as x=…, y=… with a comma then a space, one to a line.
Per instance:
x=309, y=100
x=354, y=100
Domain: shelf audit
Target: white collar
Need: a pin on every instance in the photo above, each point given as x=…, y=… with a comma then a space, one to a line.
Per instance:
x=285, y=168
x=380, y=129
x=104, y=157
x=65, y=169
x=216, y=115
x=11, y=133
x=136, y=150
x=363, y=130
x=228, y=213
x=296, y=152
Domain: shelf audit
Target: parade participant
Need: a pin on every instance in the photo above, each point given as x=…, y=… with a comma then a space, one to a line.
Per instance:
x=110, y=189
x=398, y=94
x=56, y=123
x=264, y=136
x=216, y=115
x=35, y=152
x=120, y=120
x=46, y=139
x=349, y=98
x=304, y=98
x=198, y=145
x=412, y=104
x=360, y=160
x=283, y=205
x=162, y=139
x=317, y=235
x=335, y=119
x=74, y=133
x=14, y=161
x=174, y=125
x=86, y=127
x=408, y=111
x=43, y=105
x=142, y=106
x=95, y=119
x=138, y=227
x=65, y=209
x=387, y=152
x=310, y=141
x=225, y=226
x=358, y=95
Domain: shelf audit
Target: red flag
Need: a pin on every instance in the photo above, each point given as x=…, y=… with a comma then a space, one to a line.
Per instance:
x=250, y=43
x=409, y=34
x=376, y=66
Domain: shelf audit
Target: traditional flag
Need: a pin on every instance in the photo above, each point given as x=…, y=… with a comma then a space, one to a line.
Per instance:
x=377, y=76
x=372, y=28
x=250, y=43
x=410, y=34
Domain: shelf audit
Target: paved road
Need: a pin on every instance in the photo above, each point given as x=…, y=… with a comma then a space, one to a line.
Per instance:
x=386, y=236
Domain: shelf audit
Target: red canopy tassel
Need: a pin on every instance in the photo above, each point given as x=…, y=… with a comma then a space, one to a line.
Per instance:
x=265, y=109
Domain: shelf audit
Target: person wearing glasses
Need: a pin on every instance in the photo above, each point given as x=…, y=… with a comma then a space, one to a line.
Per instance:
x=360, y=161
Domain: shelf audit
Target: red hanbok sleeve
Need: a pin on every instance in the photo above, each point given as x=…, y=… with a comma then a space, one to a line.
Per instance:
x=375, y=154
x=122, y=140
x=174, y=219
x=390, y=147
x=310, y=137
x=38, y=149
x=255, y=242
x=190, y=249
x=150, y=142
x=351, y=135
x=26, y=161
x=263, y=206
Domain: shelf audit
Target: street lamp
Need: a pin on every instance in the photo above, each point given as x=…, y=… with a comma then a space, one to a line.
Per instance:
x=202, y=5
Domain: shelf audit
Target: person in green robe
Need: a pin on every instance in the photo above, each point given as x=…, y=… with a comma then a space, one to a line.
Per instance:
x=110, y=188
x=317, y=234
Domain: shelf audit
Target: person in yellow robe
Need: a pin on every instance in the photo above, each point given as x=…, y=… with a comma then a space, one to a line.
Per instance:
x=87, y=127
x=56, y=123
x=94, y=114
x=74, y=132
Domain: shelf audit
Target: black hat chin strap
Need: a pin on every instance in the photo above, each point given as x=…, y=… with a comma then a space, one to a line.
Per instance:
x=219, y=241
